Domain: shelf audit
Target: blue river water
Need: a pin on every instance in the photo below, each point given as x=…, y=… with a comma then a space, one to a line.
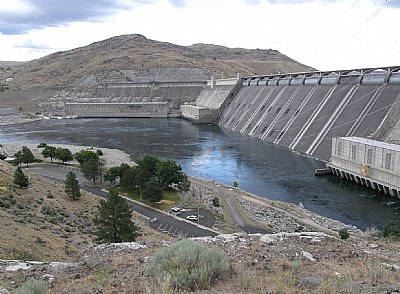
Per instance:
x=211, y=152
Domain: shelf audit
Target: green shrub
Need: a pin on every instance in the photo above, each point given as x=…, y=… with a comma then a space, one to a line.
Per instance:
x=344, y=234
x=6, y=203
x=216, y=201
x=391, y=230
x=189, y=265
x=32, y=286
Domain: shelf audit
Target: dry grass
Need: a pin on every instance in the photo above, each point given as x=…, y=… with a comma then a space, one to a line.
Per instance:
x=43, y=224
x=43, y=227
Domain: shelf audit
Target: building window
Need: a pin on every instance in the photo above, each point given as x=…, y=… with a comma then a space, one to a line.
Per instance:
x=369, y=156
x=339, y=148
x=388, y=161
x=354, y=152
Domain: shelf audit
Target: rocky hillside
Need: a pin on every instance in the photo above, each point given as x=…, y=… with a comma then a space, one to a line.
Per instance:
x=132, y=58
x=278, y=263
x=41, y=223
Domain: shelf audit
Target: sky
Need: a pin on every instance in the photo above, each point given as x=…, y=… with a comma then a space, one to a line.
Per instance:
x=324, y=34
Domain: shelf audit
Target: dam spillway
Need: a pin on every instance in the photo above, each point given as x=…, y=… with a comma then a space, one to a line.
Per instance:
x=304, y=111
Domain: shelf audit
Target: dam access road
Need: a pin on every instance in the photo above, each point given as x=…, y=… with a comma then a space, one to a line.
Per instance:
x=166, y=223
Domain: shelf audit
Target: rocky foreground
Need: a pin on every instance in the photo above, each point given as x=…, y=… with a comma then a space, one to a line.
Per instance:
x=307, y=262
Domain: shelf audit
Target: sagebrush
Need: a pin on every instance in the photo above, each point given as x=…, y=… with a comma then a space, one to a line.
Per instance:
x=32, y=286
x=189, y=265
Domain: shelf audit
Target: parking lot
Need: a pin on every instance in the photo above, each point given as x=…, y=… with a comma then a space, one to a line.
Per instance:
x=205, y=217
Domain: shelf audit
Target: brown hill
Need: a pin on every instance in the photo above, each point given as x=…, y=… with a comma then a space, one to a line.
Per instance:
x=249, y=61
x=130, y=58
x=136, y=52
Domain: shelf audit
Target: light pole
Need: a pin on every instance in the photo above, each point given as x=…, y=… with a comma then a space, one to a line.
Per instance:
x=140, y=191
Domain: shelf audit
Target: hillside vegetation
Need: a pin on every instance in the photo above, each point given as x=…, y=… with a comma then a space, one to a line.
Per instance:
x=41, y=222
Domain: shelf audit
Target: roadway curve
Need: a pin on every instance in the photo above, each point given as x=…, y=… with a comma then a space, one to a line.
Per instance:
x=163, y=222
x=228, y=196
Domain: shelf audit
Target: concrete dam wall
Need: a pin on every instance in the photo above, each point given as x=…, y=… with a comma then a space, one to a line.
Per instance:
x=133, y=99
x=304, y=111
x=134, y=110
x=174, y=93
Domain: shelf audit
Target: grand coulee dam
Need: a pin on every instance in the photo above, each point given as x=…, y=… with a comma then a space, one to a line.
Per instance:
x=348, y=118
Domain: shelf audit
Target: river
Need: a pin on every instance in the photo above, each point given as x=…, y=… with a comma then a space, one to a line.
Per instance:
x=211, y=152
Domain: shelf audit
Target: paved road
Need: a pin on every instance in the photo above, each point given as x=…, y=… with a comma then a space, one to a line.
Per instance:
x=229, y=197
x=161, y=221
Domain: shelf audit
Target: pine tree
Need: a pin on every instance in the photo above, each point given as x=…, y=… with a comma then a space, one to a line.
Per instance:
x=72, y=186
x=20, y=178
x=113, y=220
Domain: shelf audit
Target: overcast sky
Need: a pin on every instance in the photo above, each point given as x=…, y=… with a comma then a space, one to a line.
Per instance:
x=325, y=34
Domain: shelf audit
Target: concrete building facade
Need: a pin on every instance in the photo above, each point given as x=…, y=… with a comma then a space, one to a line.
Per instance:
x=371, y=163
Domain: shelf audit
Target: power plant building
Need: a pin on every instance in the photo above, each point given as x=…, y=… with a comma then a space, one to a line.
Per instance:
x=371, y=163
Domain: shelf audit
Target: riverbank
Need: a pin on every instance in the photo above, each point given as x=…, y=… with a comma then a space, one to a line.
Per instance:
x=276, y=215
x=111, y=157
x=18, y=118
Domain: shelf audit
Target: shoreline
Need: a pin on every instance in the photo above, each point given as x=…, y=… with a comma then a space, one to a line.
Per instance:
x=112, y=157
x=18, y=118
x=246, y=201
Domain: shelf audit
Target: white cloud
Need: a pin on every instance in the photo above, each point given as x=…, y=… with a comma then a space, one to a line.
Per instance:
x=324, y=34
x=16, y=7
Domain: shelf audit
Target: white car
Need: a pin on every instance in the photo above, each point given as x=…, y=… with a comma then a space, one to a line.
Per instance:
x=175, y=209
x=192, y=217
